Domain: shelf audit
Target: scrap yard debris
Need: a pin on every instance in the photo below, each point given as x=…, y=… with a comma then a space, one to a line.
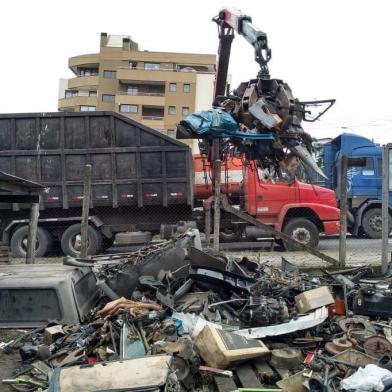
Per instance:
x=175, y=318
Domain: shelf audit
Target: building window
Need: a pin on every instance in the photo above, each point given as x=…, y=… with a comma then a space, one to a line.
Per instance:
x=132, y=64
x=107, y=98
x=185, y=111
x=170, y=132
x=186, y=88
x=92, y=93
x=152, y=66
x=132, y=90
x=70, y=93
x=107, y=74
x=172, y=87
x=87, y=71
x=86, y=108
x=172, y=110
x=128, y=108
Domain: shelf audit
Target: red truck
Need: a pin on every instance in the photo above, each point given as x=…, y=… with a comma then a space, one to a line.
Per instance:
x=300, y=210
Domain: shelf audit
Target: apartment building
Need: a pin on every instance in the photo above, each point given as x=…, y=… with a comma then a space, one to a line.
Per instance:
x=157, y=89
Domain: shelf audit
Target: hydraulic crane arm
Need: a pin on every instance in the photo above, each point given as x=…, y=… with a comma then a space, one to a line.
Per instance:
x=230, y=20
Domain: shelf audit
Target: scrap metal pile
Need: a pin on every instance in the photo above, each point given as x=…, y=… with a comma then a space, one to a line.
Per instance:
x=194, y=320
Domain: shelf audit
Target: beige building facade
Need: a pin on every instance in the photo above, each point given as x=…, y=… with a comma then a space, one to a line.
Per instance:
x=157, y=89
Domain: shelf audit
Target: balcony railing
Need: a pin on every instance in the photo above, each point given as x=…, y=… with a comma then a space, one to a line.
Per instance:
x=152, y=118
x=85, y=76
x=190, y=69
x=141, y=94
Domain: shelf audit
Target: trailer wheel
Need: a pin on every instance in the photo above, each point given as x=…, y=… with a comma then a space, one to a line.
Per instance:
x=18, y=242
x=302, y=230
x=229, y=235
x=71, y=241
x=372, y=223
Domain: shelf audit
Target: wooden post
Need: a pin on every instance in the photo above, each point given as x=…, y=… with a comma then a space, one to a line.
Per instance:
x=217, y=194
x=385, y=210
x=207, y=229
x=32, y=235
x=85, y=211
x=343, y=211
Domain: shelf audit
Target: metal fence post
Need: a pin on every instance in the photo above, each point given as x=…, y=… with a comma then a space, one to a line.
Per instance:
x=343, y=211
x=85, y=211
x=217, y=194
x=32, y=234
x=385, y=210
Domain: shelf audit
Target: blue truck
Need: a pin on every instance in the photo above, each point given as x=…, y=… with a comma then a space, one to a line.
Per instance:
x=364, y=180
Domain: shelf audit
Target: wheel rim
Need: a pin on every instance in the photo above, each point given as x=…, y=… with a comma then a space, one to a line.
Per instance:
x=375, y=223
x=24, y=241
x=302, y=235
x=75, y=243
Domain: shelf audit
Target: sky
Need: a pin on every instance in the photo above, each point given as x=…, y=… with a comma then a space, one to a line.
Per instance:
x=322, y=49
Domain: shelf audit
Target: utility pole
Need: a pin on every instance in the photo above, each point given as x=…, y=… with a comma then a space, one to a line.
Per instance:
x=32, y=234
x=85, y=212
x=343, y=211
x=385, y=209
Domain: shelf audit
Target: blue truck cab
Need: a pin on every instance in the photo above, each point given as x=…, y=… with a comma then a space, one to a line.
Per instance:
x=364, y=180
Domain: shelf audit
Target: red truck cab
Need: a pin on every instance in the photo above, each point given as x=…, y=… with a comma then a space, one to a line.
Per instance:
x=300, y=210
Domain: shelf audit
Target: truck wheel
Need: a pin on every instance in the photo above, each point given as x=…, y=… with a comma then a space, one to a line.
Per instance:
x=71, y=241
x=372, y=223
x=302, y=230
x=107, y=242
x=229, y=235
x=19, y=242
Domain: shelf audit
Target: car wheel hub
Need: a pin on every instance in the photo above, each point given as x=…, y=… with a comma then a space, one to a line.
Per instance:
x=301, y=235
x=375, y=223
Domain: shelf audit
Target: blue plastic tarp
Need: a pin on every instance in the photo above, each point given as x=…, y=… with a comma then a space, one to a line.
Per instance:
x=218, y=123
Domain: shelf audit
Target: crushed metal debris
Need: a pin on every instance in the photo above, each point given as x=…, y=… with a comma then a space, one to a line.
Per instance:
x=173, y=317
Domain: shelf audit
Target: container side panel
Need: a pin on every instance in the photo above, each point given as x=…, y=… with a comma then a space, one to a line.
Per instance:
x=5, y=164
x=100, y=133
x=176, y=164
x=53, y=197
x=148, y=139
x=126, y=165
x=125, y=134
x=127, y=194
x=102, y=194
x=75, y=194
x=5, y=134
x=75, y=133
x=151, y=164
x=74, y=167
x=25, y=135
x=176, y=192
x=50, y=133
x=51, y=168
x=152, y=194
x=102, y=166
x=26, y=167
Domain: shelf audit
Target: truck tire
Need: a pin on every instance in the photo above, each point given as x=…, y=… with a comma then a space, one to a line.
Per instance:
x=229, y=235
x=18, y=242
x=70, y=241
x=107, y=242
x=303, y=230
x=133, y=238
x=372, y=223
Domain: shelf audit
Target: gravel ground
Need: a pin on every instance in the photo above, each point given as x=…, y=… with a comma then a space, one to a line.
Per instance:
x=359, y=252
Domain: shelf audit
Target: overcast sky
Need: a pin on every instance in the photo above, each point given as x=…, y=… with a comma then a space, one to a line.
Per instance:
x=322, y=49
